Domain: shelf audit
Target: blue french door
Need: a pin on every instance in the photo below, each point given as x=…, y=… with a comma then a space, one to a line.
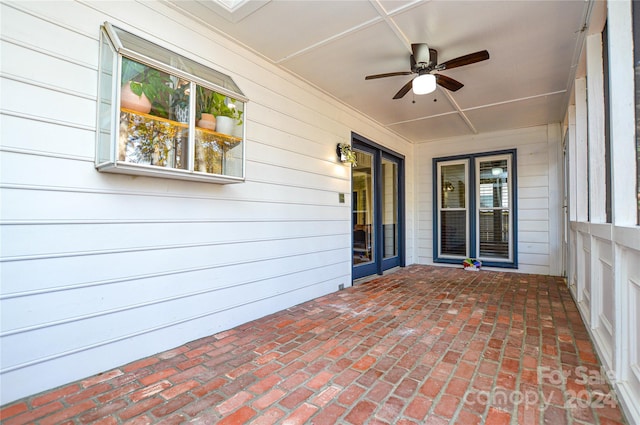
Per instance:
x=377, y=206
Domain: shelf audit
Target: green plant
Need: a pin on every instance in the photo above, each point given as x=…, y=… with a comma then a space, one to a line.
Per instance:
x=238, y=117
x=224, y=106
x=180, y=96
x=210, y=102
x=155, y=85
x=204, y=101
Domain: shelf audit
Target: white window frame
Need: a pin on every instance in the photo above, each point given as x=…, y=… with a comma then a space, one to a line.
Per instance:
x=479, y=208
x=117, y=44
x=464, y=162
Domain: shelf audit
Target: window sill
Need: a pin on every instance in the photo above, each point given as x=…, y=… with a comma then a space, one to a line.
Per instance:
x=485, y=263
x=120, y=167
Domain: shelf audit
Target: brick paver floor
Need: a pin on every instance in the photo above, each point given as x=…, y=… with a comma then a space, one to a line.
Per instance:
x=423, y=345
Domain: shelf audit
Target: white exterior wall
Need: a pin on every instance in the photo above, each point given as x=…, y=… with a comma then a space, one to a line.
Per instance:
x=605, y=275
x=98, y=270
x=539, y=176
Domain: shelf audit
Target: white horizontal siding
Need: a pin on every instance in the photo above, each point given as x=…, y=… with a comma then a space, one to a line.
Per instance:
x=117, y=318
x=54, y=72
x=71, y=238
x=100, y=269
x=536, y=243
x=27, y=135
x=18, y=98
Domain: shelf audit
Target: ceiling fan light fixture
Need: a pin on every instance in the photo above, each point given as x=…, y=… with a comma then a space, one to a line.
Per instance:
x=424, y=84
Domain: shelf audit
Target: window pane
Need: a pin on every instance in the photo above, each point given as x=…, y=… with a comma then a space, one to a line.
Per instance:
x=152, y=131
x=483, y=227
x=494, y=188
x=389, y=208
x=453, y=233
x=218, y=149
x=160, y=54
x=105, y=99
x=362, y=209
x=452, y=179
x=494, y=233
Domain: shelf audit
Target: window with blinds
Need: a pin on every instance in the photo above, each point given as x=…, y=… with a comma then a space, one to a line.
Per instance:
x=452, y=206
x=493, y=213
x=475, y=208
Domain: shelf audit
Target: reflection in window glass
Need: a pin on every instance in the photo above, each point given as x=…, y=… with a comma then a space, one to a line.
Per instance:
x=362, y=180
x=218, y=138
x=389, y=208
x=493, y=216
x=453, y=179
x=453, y=213
x=154, y=111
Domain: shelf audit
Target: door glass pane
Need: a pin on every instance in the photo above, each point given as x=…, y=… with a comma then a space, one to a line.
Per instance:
x=494, y=217
x=362, y=205
x=453, y=213
x=389, y=208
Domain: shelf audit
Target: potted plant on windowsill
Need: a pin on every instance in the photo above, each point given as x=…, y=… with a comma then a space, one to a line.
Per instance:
x=144, y=88
x=225, y=112
x=205, y=108
x=180, y=103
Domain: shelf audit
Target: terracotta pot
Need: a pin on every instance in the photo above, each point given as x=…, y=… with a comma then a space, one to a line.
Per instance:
x=130, y=100
x=207, y=121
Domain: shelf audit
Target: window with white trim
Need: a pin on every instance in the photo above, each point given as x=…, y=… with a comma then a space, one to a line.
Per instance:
x=164, y=115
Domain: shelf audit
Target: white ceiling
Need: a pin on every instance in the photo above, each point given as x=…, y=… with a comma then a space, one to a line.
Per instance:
x=534, y=48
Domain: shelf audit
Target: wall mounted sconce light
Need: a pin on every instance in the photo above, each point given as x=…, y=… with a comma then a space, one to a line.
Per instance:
x=345, y=154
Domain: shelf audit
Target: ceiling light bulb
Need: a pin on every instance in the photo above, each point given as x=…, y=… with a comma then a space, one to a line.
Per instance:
x=423, y=84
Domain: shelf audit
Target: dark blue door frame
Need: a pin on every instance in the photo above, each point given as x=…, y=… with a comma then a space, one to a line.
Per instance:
x=380, y=264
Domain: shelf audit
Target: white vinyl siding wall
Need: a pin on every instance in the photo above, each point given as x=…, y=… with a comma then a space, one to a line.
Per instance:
x=539, y=192
x=98, y=270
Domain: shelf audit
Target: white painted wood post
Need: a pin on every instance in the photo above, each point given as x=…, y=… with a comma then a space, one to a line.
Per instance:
x=581, y=146
x=595, y=102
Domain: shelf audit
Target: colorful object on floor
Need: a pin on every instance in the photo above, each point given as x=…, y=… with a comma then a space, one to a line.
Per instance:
x=471, y=264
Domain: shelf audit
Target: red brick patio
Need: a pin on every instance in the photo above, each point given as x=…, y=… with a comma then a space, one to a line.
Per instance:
x=423, y=345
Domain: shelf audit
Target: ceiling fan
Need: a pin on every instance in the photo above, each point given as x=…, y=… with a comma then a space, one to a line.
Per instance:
x=425, y=60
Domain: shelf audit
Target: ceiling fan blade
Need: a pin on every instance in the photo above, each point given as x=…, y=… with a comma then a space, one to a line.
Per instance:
x=465, y=60
x=404, y=90
x=388, y=74
x=448, y=82
x=420, y=52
